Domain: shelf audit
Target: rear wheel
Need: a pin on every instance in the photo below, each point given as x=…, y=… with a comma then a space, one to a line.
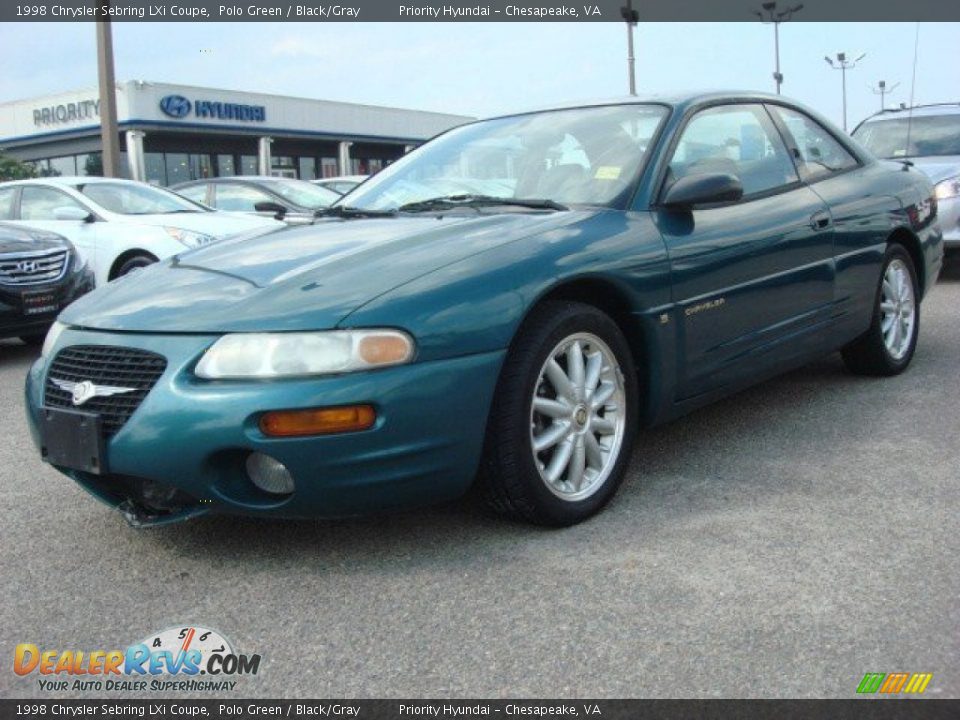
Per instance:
x=563, y=419
x=888, y=346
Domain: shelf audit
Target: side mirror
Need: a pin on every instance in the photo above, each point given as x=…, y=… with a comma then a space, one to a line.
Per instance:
x=268, y=206
x=703, y=189
x=72, y=212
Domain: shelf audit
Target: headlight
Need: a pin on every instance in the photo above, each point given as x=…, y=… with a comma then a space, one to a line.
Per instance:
x=189, y=238
x=276, y=355
x=948, y=188
x=52, y=334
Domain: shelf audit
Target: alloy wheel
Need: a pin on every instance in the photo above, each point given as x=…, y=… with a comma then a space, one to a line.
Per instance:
x=897, y=309
x=578, y=417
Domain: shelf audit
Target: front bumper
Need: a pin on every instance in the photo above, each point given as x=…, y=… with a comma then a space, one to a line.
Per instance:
x=13, y=320
x=194, y=436
x=948, y=214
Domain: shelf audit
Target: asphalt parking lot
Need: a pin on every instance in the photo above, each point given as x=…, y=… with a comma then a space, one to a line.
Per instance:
x=780, y=543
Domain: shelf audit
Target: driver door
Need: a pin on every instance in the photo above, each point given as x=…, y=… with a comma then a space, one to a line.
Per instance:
x=752, y=279
x=40, y=206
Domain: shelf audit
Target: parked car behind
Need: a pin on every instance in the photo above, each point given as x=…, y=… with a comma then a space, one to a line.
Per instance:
x=341, y=184
x=929, y=137
x=650, y=256
x=118, y=225
x=296, y=202
x=40, y=274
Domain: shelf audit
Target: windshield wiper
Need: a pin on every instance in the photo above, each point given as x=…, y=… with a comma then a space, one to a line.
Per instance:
x=345, y=211
x=448, y=202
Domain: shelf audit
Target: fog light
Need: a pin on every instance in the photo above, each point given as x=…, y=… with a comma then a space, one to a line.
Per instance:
x=269, y=475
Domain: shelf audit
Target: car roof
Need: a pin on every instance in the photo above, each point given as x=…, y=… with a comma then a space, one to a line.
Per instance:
x=72, y=181
x=233, y=178
x=342, y=178
x=676, y=99
x=932, y=110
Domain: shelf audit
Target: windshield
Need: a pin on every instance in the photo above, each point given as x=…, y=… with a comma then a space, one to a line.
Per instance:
x=302, y=193
x=584, y=156
x=930, y=135
x=135, y=199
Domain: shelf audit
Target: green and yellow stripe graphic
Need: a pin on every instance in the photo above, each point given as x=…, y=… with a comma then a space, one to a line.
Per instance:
x=914, y=683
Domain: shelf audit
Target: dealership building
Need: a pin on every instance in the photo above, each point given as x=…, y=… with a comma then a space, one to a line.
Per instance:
x=172, y=133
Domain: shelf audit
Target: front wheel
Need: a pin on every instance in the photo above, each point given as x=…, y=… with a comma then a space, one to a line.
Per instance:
x=563, y=419
x=888, y=346
x=133, y=264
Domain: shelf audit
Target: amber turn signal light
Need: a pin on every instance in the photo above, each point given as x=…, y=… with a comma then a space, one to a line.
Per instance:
x=317, y=421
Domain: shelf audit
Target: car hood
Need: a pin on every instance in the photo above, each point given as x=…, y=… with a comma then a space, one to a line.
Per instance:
x=938, y=168
x=306, y=278
x=216, y=224
x=15, y=239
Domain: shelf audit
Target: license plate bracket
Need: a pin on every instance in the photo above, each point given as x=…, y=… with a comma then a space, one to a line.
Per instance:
x=39, y=303
x=72, y=439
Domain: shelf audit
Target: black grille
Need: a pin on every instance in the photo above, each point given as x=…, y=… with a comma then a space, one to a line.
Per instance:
x=105, y=365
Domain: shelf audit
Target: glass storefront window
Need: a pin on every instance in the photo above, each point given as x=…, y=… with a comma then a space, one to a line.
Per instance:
x=248, y=164
x=61, y=166
x=155, y=168
x=201, y=166
x=328, y=167
x=178, y=168
x=225, y=165
x=308, y=168
x=90, y=164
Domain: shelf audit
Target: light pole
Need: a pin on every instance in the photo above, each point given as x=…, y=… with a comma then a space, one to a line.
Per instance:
x=882, y=90
x=842, y=64
x=768, y=15
x=108, y=99
x=631, y=17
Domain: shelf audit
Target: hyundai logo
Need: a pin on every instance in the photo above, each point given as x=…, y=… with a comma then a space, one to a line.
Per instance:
x=28, y=266
x=176, y=106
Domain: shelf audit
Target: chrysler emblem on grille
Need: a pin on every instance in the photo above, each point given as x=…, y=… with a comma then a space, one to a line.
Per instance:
x=86, y=390
x=28, y=266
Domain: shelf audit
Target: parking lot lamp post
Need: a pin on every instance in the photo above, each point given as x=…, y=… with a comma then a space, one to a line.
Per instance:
x=631, y=17
x=768, y=15
x=842, y=64
x=882, y=90
x=108, y=99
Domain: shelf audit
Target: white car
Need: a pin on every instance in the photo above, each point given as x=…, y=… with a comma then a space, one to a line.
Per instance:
x=928, y=136
x=119, y=225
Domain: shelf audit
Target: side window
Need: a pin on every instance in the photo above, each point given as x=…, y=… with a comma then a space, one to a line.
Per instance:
x=737, y=139
x=6, y=203
x=818, y=153
x=39, y=203
x=239, y=197
x=197, y=193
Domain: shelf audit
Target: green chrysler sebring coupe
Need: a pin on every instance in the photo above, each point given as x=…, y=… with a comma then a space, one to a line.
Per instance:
x=507, y=305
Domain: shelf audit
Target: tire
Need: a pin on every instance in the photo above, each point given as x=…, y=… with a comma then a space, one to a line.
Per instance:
x=133, y=263
x=517, y=481
x=879, y=351
x=35, y=339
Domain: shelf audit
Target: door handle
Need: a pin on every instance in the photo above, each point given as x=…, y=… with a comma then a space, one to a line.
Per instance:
x=820, y=220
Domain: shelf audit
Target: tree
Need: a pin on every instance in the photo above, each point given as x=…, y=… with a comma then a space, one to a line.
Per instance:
x=13, y=169
x=93, y=164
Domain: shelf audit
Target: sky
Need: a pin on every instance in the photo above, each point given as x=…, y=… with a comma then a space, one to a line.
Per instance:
x=483, y=69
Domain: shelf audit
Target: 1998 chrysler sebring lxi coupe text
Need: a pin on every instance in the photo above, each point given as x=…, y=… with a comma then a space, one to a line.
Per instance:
x=504, y=305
